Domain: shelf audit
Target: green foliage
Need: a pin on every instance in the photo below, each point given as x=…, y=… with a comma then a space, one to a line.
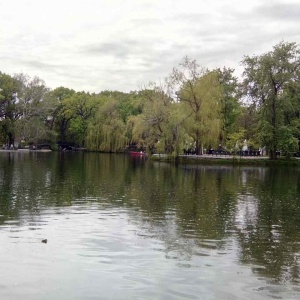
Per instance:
x=34, y=131
x=230, y=105
x=267, y=77
x=248, y=120
x=286, y=140
x=35, y=107
x=235, y=140
x=9, y=107
x=159, y=126
x=265, y=133
x=201, y=97
x=59, y=116
x=194, y=106
x=74, y=116
x=127, y=104
x=106, y=132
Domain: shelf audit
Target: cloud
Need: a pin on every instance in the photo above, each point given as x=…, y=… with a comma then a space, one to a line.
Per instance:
x=114, y=44
x=279, y=12
x=119, y=49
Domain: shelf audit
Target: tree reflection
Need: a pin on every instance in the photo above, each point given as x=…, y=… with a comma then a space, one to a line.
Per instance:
x=269, y=233
x=193, y=210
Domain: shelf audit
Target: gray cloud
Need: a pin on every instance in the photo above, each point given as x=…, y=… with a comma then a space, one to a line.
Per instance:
x=118, y=48
x=99, y=47
x=280, y=11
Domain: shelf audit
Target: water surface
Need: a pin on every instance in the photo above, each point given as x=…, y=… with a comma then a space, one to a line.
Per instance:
x=126, y=228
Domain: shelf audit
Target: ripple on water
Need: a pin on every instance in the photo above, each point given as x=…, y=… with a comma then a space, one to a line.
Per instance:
x=126, y=254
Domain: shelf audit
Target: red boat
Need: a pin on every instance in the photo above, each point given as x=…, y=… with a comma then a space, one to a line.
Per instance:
x=137, y=153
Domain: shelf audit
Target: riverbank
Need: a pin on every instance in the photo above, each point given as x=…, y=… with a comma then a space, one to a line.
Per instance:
x=227, y=159
x=24, y=150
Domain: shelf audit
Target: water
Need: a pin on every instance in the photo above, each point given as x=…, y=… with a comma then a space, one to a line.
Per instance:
x=124, y=228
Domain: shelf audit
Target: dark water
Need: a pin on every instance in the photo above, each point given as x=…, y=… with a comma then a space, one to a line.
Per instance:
x=124, y=228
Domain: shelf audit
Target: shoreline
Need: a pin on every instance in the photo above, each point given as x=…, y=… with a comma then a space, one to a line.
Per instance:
x=201, y=159
x=23, y=150
x=228, y=159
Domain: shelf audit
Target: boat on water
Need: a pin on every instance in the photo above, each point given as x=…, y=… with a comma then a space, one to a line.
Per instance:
x=137, y=153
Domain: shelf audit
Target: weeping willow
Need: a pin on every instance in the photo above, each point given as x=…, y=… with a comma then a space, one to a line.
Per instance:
x=201, y=101
x=107, y=133
x=157, y=128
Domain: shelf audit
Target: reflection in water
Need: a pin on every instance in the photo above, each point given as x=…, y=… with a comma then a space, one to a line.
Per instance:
x=269, y=234
x=124, y=228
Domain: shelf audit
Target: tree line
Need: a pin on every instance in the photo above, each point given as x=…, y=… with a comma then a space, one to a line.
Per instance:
x=194, y=107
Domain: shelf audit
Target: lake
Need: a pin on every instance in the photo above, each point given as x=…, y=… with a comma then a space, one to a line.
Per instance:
x=129, y=228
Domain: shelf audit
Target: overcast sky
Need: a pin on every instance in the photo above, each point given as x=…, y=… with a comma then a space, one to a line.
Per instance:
x=96, y=45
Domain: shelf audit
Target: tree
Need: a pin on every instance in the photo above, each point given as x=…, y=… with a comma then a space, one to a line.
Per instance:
x=35, y=108
x=127, y=103
x=9, y=107
x=246, y=123
x=106, y=131
x=60, y=118
x=230, y=105
x=78, y=110
x=31, y=93
x=292, y=110
x=266, y=77
x=159, y=126
x=200, y=92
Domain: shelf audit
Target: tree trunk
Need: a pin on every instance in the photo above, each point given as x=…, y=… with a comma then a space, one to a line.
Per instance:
x=272, y=154
x=198, y=149
x=198, y=145
x=11, y=139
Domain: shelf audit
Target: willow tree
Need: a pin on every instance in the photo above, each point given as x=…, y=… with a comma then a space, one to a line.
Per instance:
x=158, y=127
x=106, y=131
x=266, y=78
x=175, y=135
x=200, y=93
x=147, y=127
